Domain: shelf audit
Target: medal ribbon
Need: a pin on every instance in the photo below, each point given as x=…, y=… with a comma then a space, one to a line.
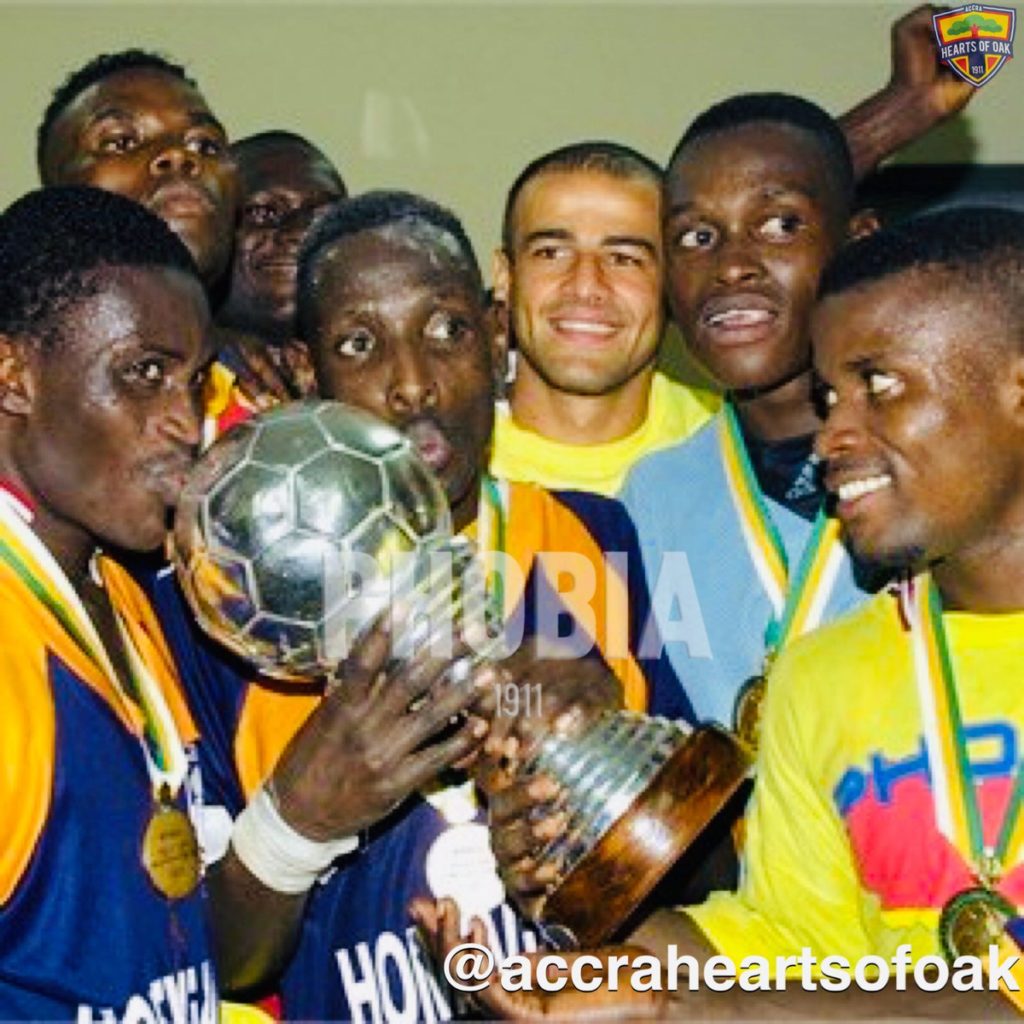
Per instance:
x=798, y=603
x=30, y=560
x=458, y=804
x=491, y=539
x=957, y=814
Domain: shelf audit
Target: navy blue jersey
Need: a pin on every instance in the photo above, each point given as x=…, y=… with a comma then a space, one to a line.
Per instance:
x=83, y=931
x=357, y=956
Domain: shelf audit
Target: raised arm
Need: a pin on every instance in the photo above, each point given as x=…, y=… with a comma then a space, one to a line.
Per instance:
x=920, y=93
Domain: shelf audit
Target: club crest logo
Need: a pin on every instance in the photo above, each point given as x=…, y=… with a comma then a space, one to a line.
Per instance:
x=975, y=40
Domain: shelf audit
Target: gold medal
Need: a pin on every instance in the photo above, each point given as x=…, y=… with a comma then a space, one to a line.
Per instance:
x=975, y=919
x=972, y=921
x=746, y=714
x=170, y=851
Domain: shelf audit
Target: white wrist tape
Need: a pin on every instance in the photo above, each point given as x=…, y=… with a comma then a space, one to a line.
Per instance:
x=281, y=858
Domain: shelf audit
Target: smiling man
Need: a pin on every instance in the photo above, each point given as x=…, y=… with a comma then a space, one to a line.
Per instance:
x=580, y=273
x=873, y=752
x=136, y=124
x=284, y=180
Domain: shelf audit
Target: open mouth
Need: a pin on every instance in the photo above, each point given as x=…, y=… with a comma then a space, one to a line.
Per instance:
x=734, y=318
x=584, y=329
x=431, y=444
x=739, y=319
x=283, y=270
x=851, y=490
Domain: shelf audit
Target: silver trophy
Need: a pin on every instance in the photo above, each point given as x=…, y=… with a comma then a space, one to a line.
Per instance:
x=637, y=791
x=300, y=526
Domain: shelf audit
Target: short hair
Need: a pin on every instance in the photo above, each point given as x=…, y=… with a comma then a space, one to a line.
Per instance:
x=279, y=137
x=276, y=137
x=54, y=240
x=599, y=156
x=983, y=245
x=103, y=66
x=371, y=211
x=784, y=109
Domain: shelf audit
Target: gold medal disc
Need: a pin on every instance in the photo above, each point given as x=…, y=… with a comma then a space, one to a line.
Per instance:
x=972, y=921
x=170, y=852
x=746, y=714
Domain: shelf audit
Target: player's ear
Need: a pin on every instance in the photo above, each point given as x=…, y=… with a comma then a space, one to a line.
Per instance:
x=863, y=223
x=1016, y=388
x=497, y=329
x=501, y=276
x=15, y=377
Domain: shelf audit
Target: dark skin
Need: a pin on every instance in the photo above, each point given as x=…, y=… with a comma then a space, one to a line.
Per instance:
x=360, y=753
x=752, y=216
x=284, y=183
x=923, y=381
x=100, y=431
x=923, y=377
x=147, y=135
x=403, y=333
x=768, y=218
x=920, y=94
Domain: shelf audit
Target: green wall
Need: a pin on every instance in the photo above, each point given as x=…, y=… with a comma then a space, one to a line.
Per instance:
x=451, y=99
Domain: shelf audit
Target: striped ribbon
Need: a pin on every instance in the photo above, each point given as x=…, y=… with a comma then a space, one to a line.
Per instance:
x=957, y=814
x=146, y=711
x=492, y=519
x=798, y=602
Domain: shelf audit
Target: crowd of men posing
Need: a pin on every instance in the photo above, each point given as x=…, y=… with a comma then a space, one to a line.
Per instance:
x=841, y=513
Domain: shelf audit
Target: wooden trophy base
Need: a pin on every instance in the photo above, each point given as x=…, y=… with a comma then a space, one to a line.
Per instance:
x=611, y=880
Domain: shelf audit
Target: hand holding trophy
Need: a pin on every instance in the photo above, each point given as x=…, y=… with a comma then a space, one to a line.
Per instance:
x=302, y=526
